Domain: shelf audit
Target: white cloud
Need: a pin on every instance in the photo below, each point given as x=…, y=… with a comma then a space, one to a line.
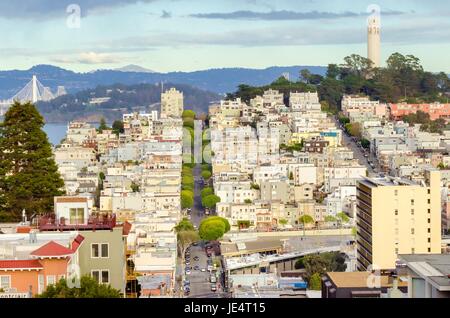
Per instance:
x=88, y=58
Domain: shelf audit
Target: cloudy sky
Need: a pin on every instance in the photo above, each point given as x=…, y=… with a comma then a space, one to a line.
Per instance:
x=186, y=35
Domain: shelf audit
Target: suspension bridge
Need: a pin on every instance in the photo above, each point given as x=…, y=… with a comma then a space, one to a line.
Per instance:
x=33, y=92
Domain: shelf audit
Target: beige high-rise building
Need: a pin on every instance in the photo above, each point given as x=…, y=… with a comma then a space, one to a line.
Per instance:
x=172, y=103
x=397, y=216
x=374, y=40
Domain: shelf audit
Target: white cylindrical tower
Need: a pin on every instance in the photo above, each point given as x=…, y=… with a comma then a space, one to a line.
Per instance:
x=34, y=89
x=374, y=40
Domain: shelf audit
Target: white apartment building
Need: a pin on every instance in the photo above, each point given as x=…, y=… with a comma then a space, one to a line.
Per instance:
x=172, y=103
x=79, y=132
x=305, y=101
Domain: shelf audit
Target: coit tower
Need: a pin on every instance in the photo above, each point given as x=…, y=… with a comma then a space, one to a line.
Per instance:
x=374, y=40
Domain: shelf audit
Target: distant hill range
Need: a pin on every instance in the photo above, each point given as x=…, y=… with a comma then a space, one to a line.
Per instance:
x=134, y=68
x=111, y=101
x=219, y=81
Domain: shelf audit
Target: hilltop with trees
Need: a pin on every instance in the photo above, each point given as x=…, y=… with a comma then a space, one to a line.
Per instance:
x=402, y=80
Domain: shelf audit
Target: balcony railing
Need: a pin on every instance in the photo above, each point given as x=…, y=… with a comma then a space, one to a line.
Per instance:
x=101, y=222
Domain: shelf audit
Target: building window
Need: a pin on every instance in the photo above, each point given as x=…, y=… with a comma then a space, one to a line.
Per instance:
x=413, y=251
x=95, y=251
x=100, y=250
x=105, y=250
x=76, y=215
x=429, y=191
x=429, y=211
x=429, y=221
x=412, y=202
x=412, y=211
x=429, y=240
x=429, y=250
x=51, y=280
x=101, y=276
x=429, y=201
x=396, y=212
x=429, y=230
x=412, y=231
x=5, y=282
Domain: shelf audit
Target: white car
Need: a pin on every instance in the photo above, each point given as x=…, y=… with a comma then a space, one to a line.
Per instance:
x=203, y=270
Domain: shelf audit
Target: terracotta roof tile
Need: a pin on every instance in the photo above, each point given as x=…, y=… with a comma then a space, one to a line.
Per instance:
x=19, y=264
x=52, y=249
x=71, y=200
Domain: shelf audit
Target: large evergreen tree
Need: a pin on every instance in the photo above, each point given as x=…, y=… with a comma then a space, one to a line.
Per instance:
x=29, y=177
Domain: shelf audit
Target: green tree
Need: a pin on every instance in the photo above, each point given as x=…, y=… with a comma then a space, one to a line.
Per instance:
x=354, y=129
x=188, y=122
x=102, y=126
x=315, y=263
x=357, y=65
x=135, y=187
x=342, y=217
x=305, y=76
x=344, y=120
x=283, y=222
x=186, y=235
x=117, y=127
x=184, y=225
x=188, y=114
x=29, y=177
x=365, y=143
x=89, y=288
x=187, y=180
x=206, y=174
x=315, y=282
x=184, y=240
x=330, y=219
x=248, y=201
x=306, y=219
x=213, y=228
x=210, y=201
x=333, y=71
x=187, y=199
x=206, y=192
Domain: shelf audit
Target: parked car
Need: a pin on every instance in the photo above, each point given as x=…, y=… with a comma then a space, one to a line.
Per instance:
x=213, y=287
x=188, y=272
x=203, y=270
x=213, y=279
x=196, y=258
x=196, y=267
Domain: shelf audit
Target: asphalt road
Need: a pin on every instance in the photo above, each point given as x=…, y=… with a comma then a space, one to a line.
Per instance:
x=358, y=151
x=200, y=285
x=200, y=281
x=198, y=213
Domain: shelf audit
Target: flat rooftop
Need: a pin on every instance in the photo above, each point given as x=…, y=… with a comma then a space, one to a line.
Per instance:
x=358, y=280
x=435, y=267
